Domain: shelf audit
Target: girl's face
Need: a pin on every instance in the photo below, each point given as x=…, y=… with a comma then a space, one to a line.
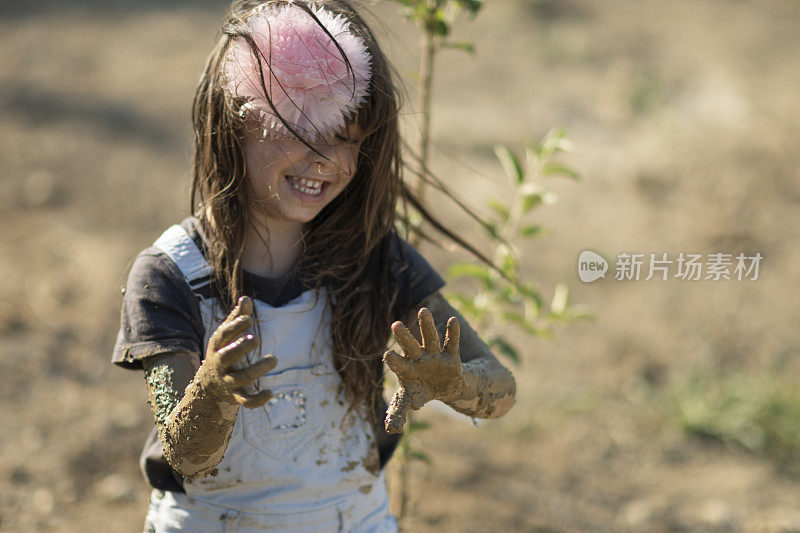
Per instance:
x=290, y=182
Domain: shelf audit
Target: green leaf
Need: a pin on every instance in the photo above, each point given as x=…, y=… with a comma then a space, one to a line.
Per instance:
x=471, y=270
x=531, y=200
x=507, y=295
x=559, y=169
x=505, y=348
x=570, y=315
x=531, y=230
x=531, y=154
x=581, y=314
x=419, y=456
x=491, y=229
x=511, y=164
x=532, y=309
x=415, y=425
x=532, y=294
x=421, y=12
x=509, y=266
x=560, y=299
x=508, y=262
x=555, y=141
x=464, y=46
x=517, y=318
x=435, y=23
x=471, y=7
x=499, y=208
x=533, y=194
x=466, y=305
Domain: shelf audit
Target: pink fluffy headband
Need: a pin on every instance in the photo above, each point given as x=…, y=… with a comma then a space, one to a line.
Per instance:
x=306, y=78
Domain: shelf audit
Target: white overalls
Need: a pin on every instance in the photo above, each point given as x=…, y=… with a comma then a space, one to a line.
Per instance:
x=304, y=461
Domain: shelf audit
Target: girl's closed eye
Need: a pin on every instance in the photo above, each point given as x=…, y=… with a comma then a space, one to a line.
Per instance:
x=347, y=140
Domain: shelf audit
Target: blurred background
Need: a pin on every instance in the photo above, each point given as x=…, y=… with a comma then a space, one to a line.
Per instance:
x=677, y=408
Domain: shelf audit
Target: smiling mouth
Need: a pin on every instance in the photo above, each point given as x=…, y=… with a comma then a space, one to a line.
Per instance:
x=307, y=186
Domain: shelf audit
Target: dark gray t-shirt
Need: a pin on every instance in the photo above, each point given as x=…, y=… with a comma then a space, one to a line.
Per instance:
x=160, y=314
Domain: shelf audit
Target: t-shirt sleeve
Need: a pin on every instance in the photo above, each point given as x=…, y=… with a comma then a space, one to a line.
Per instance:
x=159, y=312
x=416, y=278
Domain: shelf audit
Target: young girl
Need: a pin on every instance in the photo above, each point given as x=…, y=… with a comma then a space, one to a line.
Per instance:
x=260, y=320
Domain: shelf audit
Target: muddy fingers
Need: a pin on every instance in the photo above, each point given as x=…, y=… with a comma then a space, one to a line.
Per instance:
x=235, y=351
x=251, y=401
x=465, y=375
x=396, y=414
x=224, y=369
x=425, y=371
x=396, y=362
x=452, y=337
x=234, y=325
x=430, y=337
x=233, y=330
x=406, y=340
x=244, y=307
x=239, y=379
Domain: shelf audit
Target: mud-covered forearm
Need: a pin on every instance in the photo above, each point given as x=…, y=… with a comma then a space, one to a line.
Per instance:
x=487, y=388
x=195, y=405
x=194, y=421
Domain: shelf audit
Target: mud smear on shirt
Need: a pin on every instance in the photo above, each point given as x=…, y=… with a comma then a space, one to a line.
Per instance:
x=372, y=461
x=350, y=466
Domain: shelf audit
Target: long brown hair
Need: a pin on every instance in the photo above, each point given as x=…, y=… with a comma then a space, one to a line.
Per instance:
x=347, y=246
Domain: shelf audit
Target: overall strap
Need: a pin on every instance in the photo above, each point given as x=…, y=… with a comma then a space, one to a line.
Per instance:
x=181, y=248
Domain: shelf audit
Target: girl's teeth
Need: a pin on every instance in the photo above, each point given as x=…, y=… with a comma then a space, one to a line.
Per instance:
x=311, y=183
x=306, y=185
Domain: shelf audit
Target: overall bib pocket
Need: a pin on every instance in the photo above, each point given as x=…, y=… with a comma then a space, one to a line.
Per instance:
x=283, y=426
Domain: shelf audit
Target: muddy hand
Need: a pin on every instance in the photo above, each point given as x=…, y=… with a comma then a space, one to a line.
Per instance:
x=229, y=344
x=425, y=371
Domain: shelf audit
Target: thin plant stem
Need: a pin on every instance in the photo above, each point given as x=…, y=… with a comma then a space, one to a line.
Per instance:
x=424, y=95
x=426, y=83
x=402, y=486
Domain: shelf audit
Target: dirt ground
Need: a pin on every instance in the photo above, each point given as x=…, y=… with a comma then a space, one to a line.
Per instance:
x=684, y=115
